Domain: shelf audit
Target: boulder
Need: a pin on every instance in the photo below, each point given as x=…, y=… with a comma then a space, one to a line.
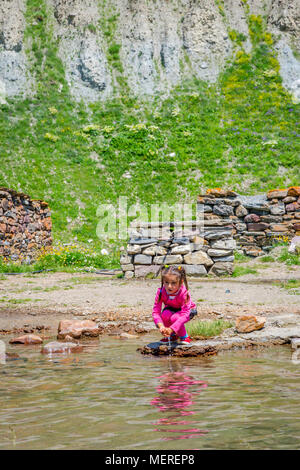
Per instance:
x=129, y=274
x=142, y=259
x=223, y=210
x=198, y=257
x=169, y=259
x=229, y=244
x=241, y=211
x=195, y=270
x=181, y=250
x=248, y=323
x=294, y=191
x=143, y=271
x=134, y=249
x=26, y=339
x=252, y=218
x=221, y=268
x=127, y=267
x=57, y=347
x=257, y=227
x=217, y=234
x=278, y=209
x=277, y=194
x=289, y=199
x=216, y=253
x=292, y=207
x=77, y=328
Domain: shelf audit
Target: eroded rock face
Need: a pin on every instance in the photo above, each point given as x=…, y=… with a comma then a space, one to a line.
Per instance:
x=56, y=347
x=26, y=339
x=248, y=323
x=13, y=60
x=161, y=42
x=77, y=328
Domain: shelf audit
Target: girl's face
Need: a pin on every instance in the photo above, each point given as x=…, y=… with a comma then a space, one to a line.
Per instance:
x=171, y=283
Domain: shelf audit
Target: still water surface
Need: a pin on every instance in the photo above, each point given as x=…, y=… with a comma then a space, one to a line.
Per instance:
x=112, y=397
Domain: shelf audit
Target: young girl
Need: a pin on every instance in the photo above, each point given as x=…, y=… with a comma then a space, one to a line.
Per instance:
x=179, y=307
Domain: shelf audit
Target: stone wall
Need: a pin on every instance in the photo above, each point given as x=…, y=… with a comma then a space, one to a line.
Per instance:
x=257, y=220
x=249, y=224
x=25, y=226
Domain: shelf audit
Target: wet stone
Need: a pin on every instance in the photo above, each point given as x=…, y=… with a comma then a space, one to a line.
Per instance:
x=195, y=349
x=57, y=347
x=26, y=339
x=77, y=328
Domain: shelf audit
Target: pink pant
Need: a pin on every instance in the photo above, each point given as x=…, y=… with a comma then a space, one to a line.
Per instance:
x=169, y=318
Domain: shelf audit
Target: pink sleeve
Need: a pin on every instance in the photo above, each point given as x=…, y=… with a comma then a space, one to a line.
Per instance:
x=157, y=309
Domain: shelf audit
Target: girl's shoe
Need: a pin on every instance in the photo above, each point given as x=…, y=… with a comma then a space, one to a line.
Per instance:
x=186, y=340
x=169, y=339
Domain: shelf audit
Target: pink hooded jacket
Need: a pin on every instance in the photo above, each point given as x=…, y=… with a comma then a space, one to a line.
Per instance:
x=179, y=302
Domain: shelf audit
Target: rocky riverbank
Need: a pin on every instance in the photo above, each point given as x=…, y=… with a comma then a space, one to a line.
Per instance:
x=281, y=329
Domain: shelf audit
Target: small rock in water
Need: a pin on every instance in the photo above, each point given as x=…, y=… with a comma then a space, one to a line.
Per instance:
x=57, y=347
x=26, y=339
x=128, y=336
x=248, y=323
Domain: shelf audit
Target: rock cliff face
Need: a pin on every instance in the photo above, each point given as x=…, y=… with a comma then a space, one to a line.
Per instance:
x=148, y=45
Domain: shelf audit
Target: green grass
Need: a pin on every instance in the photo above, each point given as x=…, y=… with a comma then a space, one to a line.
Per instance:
x=267, y=259
x=239, y=133
x=288, y=258
x=19, y=301
x=242, y=271
x=240, y=258
x=290, y=284
x=207, y=329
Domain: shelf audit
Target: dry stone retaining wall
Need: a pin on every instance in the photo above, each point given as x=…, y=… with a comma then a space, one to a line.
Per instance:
x=25, y=226
x=231, y=221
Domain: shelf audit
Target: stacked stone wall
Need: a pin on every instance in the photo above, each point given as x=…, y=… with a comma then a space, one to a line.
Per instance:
x=228, y=222
x=25, y=226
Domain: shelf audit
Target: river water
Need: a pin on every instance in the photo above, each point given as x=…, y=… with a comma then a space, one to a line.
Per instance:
x=112, y=397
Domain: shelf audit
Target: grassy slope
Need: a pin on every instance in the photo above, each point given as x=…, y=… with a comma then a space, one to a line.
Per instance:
x=239, y=133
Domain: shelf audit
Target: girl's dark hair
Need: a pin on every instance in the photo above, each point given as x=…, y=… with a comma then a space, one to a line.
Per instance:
x=178, y=271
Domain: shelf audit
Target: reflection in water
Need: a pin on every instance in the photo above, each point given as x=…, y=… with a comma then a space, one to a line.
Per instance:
x=174, y=397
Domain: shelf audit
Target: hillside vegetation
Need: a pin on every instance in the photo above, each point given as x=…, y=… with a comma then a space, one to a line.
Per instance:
x=241, y=133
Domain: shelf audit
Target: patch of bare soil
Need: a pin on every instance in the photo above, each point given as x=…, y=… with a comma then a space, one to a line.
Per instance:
x=31, y=303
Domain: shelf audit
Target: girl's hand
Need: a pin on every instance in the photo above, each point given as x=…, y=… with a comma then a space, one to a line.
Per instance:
x=168, y=331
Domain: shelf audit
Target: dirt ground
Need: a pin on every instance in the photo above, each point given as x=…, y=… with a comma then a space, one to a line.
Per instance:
x=42, y=300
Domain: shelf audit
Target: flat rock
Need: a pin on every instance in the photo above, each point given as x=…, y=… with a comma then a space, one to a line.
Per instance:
x=219, y=252
x=134, y=249
x=143, y=271
x=57, y=347
x=158, y=349
x=77, y=328
x=198, y=257
x=195, y=270
x=221, y=268
x=258, y=202
x=248, y=323
x=277, y=193
x=181, y=250
x=228, y=340
x=169, y=259
x=142, y=259
x=26, y=339
x=294, y=191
